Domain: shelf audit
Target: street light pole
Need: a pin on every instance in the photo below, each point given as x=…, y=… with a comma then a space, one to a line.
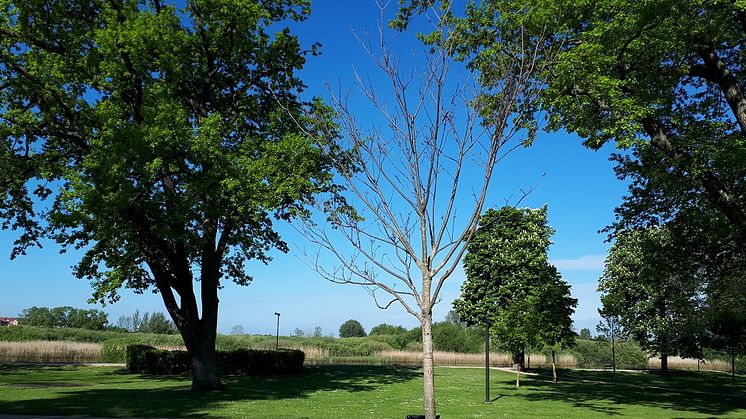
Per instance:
x=486, y=364
x=277, y=336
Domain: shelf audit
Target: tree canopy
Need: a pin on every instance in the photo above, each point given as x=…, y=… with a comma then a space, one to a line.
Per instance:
x=663, y=79
x=510, y=285
x=351, y=329
x=652, y=290
x=167, y=139
x=66, y=316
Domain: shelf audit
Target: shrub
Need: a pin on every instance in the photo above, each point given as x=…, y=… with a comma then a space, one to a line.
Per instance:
x=35, y=333
x=597, y=354
x=351, y=328
x=454, y=337
x=144, y=359
x=387, y=329
x=115, y=350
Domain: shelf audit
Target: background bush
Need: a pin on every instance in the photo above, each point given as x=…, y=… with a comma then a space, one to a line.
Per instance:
x=351, y=328
x=144, y=359
x=597, y=354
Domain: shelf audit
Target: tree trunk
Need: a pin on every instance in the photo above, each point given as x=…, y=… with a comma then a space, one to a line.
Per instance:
x=200, y=344
x=427, y=364
x=205, y=368
x=664, y=363
x=519, y=360
x=198, y=334
x=554, y=368
x=733, y=370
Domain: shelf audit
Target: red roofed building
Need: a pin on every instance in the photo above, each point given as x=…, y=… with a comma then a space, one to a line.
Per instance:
x=8, y=321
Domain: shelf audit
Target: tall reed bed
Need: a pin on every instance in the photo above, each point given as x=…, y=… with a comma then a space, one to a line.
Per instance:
x=462, y=359
x=50, y=351
x=677, y=363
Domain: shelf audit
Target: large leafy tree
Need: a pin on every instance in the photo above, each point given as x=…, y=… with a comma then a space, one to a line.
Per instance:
x=660, y=76
x=511, y=287
x=662, y=79
x=65, y=317
x=167, y=139
x=725, y=314
x=650, y=287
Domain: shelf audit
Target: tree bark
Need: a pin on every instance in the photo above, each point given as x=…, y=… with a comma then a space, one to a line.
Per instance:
x=519, y=361
x=199, y=339
x=519, y=364
x=198, y=334
x=205, y=374
x=554, y=368
x=733, y=370
x=427, y=364
x=664, y=362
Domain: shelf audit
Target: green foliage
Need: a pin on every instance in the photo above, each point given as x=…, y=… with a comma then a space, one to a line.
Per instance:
x=661, y=79
x=585, y=333
x=650, y=289
x=387, y=329
x=351, y=328
x=28, y=333
x=66, y=316
x=167, y=140
x=510, y=284
x=454, y=337
x=147, y=323
x=115, y=350
x=726, y=316
x=143, y=359
x=597, y=354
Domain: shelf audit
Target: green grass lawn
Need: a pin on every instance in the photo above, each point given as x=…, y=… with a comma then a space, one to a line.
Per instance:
x=353, y=392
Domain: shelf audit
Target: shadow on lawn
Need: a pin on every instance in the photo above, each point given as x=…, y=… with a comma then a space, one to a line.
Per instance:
x=172, y=397
x=616, y=399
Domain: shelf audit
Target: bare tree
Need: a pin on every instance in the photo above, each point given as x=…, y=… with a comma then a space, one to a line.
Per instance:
x=422, y=175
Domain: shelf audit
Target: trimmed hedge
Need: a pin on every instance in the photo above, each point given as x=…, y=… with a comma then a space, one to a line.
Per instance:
x=115, y=350
x=144, y=359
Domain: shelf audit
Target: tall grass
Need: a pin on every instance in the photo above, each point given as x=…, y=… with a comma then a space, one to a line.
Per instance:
x=677, y=363
x=462, y=359
x=50, y=351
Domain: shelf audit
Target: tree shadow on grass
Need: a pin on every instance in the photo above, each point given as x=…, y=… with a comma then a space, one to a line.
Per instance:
x=616, y=399
x=170, y=396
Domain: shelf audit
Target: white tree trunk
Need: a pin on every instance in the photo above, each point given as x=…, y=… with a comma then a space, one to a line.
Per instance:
x=427, y=365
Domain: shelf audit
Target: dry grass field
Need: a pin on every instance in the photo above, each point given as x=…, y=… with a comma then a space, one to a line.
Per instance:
x=50, y=351
x=688, y=364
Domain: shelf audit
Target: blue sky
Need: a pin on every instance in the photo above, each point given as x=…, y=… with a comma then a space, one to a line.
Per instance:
x=577, y=184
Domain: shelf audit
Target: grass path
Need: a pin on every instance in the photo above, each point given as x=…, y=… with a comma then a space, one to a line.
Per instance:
x=359, y=392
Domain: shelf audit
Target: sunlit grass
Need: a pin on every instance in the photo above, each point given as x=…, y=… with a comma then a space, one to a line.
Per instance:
x=358, y=392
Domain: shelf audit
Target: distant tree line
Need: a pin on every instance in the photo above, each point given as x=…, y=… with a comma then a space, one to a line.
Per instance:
x=65, y=316
x=146, y=323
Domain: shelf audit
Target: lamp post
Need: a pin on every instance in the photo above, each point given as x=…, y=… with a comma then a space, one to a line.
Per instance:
x=486, y=363
x=277, y=336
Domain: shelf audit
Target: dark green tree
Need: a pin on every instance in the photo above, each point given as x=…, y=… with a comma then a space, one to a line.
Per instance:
x=650, y=288
x=66, y=316
x=387, y=329
x=168, y=139
x=351, y=329
x=511, y=287
x=726, y=319
x=585, y=333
